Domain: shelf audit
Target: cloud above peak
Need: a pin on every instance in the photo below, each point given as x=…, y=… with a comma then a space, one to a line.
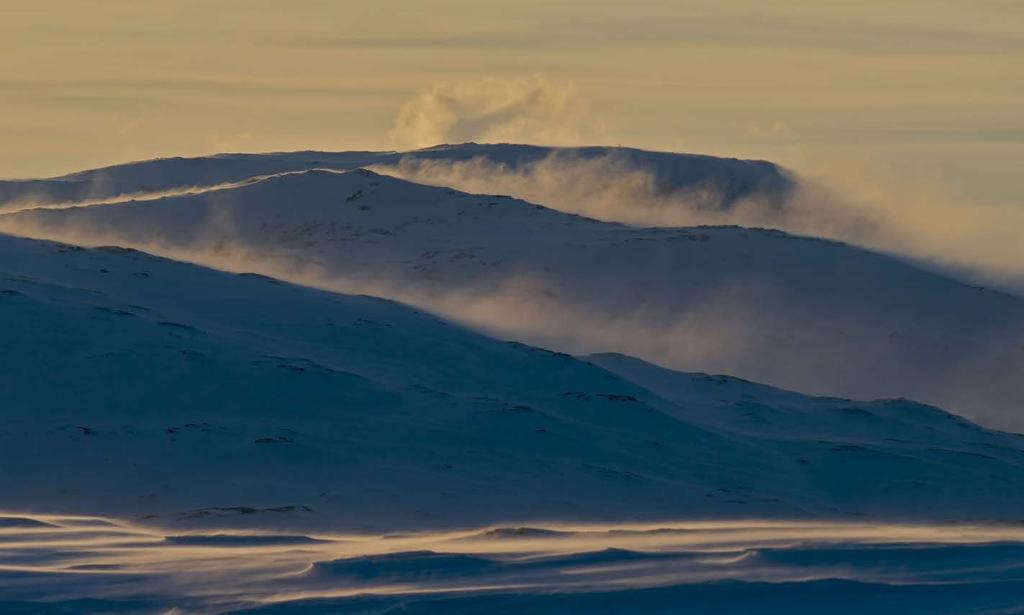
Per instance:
x=527, y=109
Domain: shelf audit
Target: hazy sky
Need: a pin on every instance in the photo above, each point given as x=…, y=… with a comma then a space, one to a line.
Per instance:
x=924, y=88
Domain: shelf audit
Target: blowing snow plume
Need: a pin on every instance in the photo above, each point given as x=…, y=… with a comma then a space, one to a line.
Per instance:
x=911, y=219
x=920, y=218
x=533, y=109
x=612, y=184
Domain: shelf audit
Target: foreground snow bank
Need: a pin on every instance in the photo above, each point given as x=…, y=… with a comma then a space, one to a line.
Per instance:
x=90, y=564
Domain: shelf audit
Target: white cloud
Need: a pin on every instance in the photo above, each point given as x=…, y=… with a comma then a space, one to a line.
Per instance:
x=531, y=109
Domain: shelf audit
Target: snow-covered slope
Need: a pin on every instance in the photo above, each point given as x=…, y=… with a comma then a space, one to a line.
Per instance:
x=170, y=175
x=749, y=408
x=728, y=179
x=64, y=565
x=709, y=182
x=137, y=385
x=816, y=316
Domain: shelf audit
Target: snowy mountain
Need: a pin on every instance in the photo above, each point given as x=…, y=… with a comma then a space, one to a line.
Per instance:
x=244, y=441
x=136, y=385
x=816, y=316
x=724, y=180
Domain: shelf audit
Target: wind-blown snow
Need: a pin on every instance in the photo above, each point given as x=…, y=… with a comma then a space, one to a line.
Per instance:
x=816, y=316
x=185, y=438
x=93, y=564
x=712, y=182
x=136, y=385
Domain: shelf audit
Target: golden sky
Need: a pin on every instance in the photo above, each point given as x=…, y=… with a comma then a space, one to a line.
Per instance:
x=931, y=87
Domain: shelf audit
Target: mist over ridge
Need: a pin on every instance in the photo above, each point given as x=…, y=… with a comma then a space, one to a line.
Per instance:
x=810, y=315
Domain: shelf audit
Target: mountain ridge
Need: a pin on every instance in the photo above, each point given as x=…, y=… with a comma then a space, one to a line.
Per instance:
x=735, y=176
x=760, y=304
x=188, y=389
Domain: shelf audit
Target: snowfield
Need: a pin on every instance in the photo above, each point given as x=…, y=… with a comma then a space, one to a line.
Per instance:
x=288, y=383
x=65, y=564
x=159, y=388
x=816, y=316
